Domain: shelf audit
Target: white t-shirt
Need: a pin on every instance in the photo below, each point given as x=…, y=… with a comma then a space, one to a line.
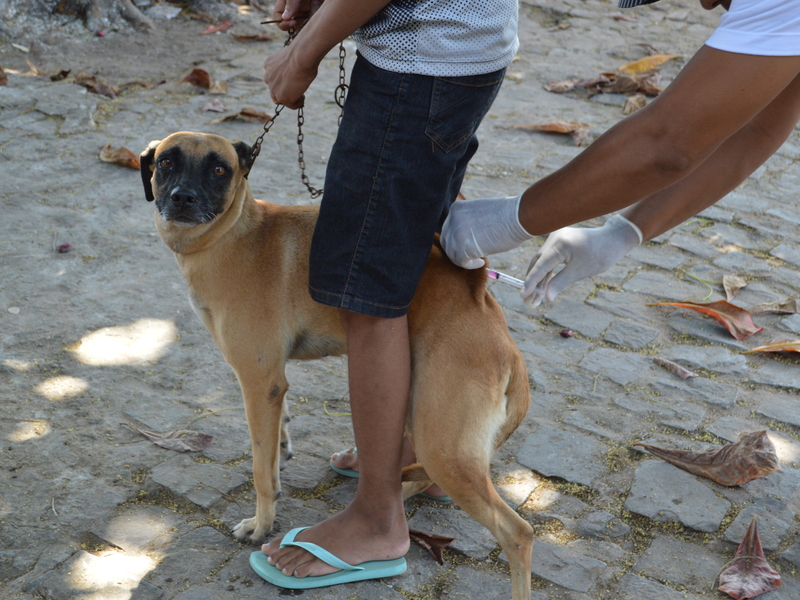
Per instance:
x=441, y=37
x=759, y=27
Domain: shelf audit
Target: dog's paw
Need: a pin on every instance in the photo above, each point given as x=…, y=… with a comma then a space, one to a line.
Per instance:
x=249, y=530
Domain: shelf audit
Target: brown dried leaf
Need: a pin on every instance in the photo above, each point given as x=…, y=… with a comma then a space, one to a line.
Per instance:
x=579, y=135
x=647, y=64
x=732, y=284
x=652, y=51
x=246, y=114
x=736, y=320
x=778, y=346
x=753, y=456
x=264, y=36
x=3, y=77
x=787, y=307
x=431, y=542
x=198, y=77
x=96, y=87
x=560, y=87
x=182, y=440
x=620, y=84
x=674, y=368
x=620, y=17
x=215, y=105
x=121, y=156
x=60, y=75
x=648, y=82
x=634, y=103
x=219, y=27
x=750, y=574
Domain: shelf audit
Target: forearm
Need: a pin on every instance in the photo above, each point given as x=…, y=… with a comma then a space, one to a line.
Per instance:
x=723, y=171
x=661, y=144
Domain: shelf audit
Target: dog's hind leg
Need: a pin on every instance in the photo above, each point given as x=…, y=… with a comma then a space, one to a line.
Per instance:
x=263, y=403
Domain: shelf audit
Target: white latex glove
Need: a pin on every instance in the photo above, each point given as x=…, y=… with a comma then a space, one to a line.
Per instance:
x=582, y=251
x=477, y=228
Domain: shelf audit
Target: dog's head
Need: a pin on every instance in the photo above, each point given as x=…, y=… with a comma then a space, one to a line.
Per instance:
x=193, y=176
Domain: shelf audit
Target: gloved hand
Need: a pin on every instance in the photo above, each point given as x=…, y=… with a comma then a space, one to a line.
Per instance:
x=583, y=252
x=477, y=228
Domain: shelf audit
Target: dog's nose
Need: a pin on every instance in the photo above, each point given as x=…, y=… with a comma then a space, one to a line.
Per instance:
x=183, y=198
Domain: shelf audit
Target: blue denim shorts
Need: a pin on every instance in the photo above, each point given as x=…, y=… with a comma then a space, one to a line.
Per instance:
x=395, y=168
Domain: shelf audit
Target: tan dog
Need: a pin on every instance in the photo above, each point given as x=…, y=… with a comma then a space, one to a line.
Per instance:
x=246, y=263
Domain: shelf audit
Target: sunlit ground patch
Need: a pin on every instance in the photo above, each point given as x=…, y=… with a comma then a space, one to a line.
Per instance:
x=145, y=340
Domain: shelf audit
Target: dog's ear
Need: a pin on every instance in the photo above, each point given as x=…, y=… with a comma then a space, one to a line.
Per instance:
x=246, y=157
x=146, y=168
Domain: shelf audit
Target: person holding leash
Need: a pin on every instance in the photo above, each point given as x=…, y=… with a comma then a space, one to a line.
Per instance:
x=728, y=110
x=426, y=74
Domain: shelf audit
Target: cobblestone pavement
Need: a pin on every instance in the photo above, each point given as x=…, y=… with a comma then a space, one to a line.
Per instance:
x=104, y=335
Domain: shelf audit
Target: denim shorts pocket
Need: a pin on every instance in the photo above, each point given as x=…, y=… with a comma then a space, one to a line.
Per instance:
x=458, y=104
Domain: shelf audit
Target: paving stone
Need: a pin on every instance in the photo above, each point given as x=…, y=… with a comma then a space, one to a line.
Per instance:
x=791, y=324
x=139, y=528
x=112, y=577
x=775, y=519
x=160, y=414
x=556, y=453
x=421, y=572
x=742, y=264
x=579, y=317
x=601, y=524
x=697, y=389
x=781, y=409
x=779, y=374
x=620, y=367
x=665, y=493
x=601, y=550
x=792, y=554
x=585, y=422
x=694, y=245
x=662, y=286
x=715, y=213
x=515, y=484
x=785, y=214
x=782, y=485
x=633, y=587
x=788, y=253
x=727, y=235
x=680, y=563
x=711, y=358
x=671, y=412
x=739, y=202
x=464, y=584
x=704, y=329
x=626, y=305
x=631, y=335
x=565, y=567
x=658, y=256
x=472, y=539
x=200, y=483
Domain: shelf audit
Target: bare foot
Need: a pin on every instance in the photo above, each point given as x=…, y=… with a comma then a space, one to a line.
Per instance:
x=349, y=460
x=355, y=536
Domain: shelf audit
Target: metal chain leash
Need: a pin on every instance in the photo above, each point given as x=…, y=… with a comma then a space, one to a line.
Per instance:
x=340, y=94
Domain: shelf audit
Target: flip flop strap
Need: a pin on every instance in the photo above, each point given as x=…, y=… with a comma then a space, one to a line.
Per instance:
x=320, y=553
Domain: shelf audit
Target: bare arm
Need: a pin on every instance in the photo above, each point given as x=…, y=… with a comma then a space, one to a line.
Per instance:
x=726, y=168
x=712, y=99
x=290, y=71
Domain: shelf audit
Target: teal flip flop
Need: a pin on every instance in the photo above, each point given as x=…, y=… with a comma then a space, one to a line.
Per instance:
x=354, y=474
x=374, y=569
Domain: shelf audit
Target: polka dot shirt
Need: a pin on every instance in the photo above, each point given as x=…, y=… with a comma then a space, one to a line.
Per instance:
x=441, y=37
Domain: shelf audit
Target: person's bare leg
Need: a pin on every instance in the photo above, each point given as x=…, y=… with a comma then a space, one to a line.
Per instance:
x=374, y=526
x=349, y=460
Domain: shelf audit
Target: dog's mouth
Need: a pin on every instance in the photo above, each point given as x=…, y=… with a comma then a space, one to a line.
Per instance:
x=186, y=219
x=185, y=209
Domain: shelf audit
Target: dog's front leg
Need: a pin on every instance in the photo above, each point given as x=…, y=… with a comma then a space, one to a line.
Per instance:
x=263, y=402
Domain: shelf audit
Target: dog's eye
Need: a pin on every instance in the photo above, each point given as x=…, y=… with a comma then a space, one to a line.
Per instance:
x=165, y=163
x=219, y=170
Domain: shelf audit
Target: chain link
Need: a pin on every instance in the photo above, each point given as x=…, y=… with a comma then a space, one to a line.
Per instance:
x=340, y=94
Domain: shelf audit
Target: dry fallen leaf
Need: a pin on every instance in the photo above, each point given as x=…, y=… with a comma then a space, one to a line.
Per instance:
x=560, y=87
x=736, y=320
x=732, y=284
x=219, y=88
x=264, y=36
x=182, y=440
x=219, y=27
x=121, y=156
x=246, y=114
x=579, y=131
x=620, y=17
x=779, y=346
x=651, y=50
x=674, y=368
x=96, y=87
x=647, y=64
x=750, y=574
x=634, y=103
x=215, y=105
x=432, y=543
x=198, y=77
x=787, y=307
x=3, y=77
x=753, y=456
